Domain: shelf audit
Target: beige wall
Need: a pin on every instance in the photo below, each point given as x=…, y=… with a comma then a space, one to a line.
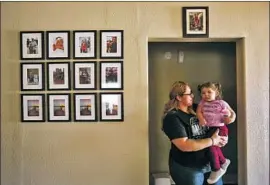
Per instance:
x=117, y=154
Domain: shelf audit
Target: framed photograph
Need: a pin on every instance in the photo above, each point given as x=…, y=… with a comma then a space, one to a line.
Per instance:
x=85, y=107
x=58, y=44
x=85, y=44
x=32, y=45
x=58, y=76
x=195, y=22
x=59, y=109
x=32, y=108
x=111, y=75
x=111, y=44
x=32, y=77
x=111, y=107
x=85, y=75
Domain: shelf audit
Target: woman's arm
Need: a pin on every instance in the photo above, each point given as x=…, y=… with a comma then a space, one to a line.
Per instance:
x=191, y=145
x=231, y=118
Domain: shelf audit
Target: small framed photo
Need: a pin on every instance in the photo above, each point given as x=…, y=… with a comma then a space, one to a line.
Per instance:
x=111, y=107
x=111, y=44
x=32, y=77
x=58, y=76
x=85, y=108
x=85, y=75
x=59, y=109
x=195, y=22
x=58, y=44
x=111, y=75
x=32, y=107
x=85, y=44
x=32, y=45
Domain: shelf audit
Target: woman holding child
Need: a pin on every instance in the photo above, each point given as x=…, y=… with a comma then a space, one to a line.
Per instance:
x=188, y=163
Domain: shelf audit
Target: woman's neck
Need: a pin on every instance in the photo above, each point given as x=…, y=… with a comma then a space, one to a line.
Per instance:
x=183, y=108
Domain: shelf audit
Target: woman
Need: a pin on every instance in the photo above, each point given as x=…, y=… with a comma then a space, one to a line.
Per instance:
x=188, y=163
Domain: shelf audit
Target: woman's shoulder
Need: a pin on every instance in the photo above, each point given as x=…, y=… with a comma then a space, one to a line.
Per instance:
x=172, y=113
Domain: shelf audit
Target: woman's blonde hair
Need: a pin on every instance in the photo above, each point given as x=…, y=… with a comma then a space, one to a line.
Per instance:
x=178, y=89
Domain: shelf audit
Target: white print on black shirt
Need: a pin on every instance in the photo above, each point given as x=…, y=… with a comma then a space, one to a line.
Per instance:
x=197, y=131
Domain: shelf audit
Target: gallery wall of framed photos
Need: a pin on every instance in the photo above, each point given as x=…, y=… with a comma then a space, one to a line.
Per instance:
x=72, y=76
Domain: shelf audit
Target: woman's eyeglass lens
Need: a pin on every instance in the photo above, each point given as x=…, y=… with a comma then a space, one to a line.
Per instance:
x=190, y=94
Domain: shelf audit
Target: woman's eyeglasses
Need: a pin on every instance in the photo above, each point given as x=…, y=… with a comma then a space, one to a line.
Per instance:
x=190, y=94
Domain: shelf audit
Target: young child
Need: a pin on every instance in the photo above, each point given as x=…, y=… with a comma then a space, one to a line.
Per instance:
x=211, y=112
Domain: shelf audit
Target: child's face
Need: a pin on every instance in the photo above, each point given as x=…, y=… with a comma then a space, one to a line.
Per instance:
x=208, y=94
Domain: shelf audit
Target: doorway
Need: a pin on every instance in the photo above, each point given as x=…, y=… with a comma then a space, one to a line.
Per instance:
x=195, y=63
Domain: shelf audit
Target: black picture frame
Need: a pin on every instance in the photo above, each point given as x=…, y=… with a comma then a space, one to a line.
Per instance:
x=111, y=44
x=32, y=108
x=111, y=106
x=32, y=76
x=82, y=103
x=195, y=22
x=84, y=44
x=58, y=79
x=59, y=107
x=111, y=81
x=58, y=44
x=32, y=45
x=84, y=75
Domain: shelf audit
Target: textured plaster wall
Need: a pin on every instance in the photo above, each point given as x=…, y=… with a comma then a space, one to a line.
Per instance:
x=117, y=154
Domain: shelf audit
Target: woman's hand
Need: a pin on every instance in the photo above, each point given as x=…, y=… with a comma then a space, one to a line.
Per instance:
x=231, y=118
x=219, y=141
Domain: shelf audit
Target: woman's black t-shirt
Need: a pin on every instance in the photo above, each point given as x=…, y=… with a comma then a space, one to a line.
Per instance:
x=178, y=124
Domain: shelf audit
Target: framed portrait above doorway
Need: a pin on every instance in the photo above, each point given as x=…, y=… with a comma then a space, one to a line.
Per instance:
x=195, y=22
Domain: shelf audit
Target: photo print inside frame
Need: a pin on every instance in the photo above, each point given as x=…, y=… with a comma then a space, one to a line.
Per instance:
x=85, y=107
x=32, y=109
x=111, y=44
x=84, y=44
x=58, y=77
x=195, y=22
x=111, y=107
x=59, y=107
x=58, y=44
x=111, y=75
x=84, y=75
x=32, y=76
x=31, y=45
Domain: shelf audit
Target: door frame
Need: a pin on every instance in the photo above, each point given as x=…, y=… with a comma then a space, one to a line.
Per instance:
x=241, y=97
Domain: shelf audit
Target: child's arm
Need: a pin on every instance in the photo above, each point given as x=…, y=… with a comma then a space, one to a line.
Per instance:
x=199, y=114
